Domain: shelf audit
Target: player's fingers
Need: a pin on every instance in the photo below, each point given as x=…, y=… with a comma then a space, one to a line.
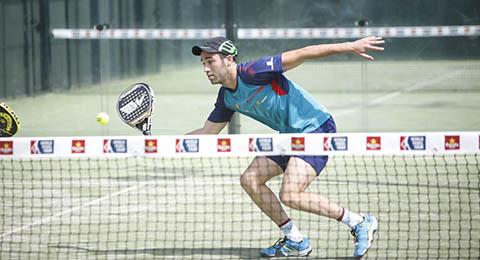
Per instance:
x=373, y=38
x=376, y=48
x=377, y=42
x=366, y=56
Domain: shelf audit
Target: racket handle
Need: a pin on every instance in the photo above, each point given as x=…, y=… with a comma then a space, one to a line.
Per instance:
x=145, y=126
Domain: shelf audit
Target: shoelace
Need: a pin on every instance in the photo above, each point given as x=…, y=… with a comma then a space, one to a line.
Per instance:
x=353, y=231
x=354, y=234
x=279, y=242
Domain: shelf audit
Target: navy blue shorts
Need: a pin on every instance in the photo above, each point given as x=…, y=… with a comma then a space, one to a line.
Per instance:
x=318, y=162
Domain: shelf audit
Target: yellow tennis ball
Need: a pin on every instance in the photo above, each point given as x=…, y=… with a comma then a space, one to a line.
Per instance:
x=103, y=118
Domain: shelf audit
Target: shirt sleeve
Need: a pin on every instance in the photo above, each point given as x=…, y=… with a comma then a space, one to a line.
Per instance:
x=220, y=113
x=261, y=71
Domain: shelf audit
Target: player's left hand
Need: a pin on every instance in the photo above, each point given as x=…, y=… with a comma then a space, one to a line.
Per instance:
x=360, y=47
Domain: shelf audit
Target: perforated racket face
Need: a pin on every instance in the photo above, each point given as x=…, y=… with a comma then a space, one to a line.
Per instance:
x=9, y=123
x=135, y=103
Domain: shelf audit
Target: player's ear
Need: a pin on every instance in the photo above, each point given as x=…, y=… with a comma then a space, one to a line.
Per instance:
x=230, y=59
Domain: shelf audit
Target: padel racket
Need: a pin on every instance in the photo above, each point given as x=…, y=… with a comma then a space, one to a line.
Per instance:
x=9, y=124
x=135, y=107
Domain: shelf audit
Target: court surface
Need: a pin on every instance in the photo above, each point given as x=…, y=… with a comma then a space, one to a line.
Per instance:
x=168, y=208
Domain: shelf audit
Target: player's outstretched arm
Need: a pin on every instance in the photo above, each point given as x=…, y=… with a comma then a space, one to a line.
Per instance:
x=210, y=128
x=293, y=58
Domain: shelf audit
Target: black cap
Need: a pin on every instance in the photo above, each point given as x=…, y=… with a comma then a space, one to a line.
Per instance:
x=217, y=45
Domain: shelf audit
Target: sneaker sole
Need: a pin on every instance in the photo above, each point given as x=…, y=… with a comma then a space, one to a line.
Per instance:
x=303, y=253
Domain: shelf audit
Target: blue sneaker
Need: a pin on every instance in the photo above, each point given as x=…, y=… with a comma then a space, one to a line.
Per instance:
x=363, y=235
x=286, y=247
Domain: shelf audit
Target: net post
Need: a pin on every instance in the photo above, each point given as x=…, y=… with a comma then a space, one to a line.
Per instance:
x=45, y=46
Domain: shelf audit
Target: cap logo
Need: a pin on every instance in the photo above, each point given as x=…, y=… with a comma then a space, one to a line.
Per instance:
x=228, y=47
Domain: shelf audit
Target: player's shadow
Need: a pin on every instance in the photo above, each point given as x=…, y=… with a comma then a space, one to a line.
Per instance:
x=169, y=173
x=200, y=253
x=158, y=173
x=220, y=253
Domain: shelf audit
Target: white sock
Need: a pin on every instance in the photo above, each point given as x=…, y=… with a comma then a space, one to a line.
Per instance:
x=350, y=218
x=291, y=231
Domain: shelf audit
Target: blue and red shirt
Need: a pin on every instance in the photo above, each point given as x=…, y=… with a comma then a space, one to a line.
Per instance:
x=265, y=94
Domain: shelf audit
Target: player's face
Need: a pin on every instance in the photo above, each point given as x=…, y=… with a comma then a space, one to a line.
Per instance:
x=214, y=66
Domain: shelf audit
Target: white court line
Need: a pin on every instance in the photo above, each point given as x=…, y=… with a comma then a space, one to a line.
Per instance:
x=385, y=98
x=60, y=214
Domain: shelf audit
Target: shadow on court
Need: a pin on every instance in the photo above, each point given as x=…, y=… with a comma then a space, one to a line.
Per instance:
x=220, y=253
x=195, y=253
x=170, y=173
x=158, y=173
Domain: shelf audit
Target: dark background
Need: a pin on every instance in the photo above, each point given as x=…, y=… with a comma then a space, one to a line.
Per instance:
x=32, y=62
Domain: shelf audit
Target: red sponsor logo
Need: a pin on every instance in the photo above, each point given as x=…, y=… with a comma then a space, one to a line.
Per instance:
x=151, y=146
x=452, y=142
x=6, y=147
x=325, y=144
x=178, y=145
x=33, y=147
x=374, y=143
x=403, y=143
x=78, y=146
x=223, y=145
x=251, y=145
x=298, y=143
x=105, y=145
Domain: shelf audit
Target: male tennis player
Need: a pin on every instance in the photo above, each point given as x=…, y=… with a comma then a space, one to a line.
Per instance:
x=260, y=90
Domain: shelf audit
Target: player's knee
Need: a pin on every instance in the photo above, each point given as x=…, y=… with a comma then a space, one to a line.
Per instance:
x=287, y=198
x=249, y=181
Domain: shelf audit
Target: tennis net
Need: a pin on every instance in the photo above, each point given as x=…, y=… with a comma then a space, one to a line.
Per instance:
x=180, y=196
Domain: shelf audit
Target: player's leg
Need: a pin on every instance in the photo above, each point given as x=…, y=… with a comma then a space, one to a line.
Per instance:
x=253, y=181
x=298, y=176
